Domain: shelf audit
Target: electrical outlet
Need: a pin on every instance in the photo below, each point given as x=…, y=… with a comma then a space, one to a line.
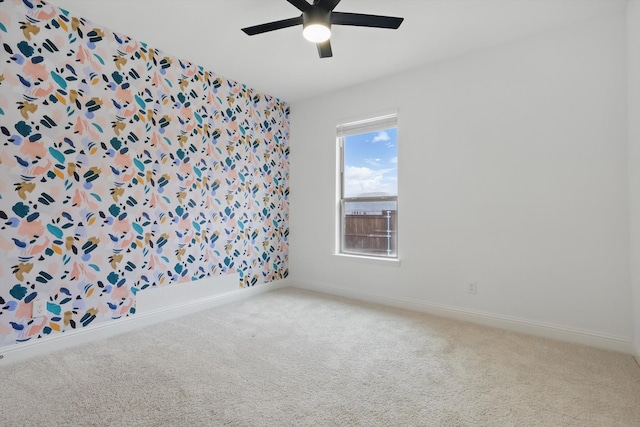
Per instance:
x=39, y=308
x=472, y=288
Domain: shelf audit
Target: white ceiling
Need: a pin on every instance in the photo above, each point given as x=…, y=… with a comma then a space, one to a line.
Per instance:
x=283, y=64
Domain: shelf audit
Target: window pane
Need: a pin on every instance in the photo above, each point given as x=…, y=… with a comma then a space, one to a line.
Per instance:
x=371, y=164
x=369, y=187
x=370, y=227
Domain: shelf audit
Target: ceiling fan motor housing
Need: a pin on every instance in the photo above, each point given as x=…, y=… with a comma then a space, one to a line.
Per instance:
x=316, y=15
x=316, y=25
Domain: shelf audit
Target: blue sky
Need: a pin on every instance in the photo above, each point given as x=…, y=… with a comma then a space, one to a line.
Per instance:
x=371, y=163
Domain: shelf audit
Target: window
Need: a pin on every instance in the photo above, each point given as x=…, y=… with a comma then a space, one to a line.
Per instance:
x=368, y=190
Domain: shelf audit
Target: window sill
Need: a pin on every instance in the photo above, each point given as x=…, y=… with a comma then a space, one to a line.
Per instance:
x=391, y=262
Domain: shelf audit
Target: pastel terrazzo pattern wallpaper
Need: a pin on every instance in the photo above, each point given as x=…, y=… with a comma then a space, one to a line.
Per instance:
x=121, y=168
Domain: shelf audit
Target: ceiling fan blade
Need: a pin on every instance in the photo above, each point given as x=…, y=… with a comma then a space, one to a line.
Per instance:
x=271, y=26
x=301, y=5
x=363, y=20
x=324, y=49
x=326, y=4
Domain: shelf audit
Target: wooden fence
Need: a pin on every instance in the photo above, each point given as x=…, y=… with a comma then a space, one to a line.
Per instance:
x=374, y=234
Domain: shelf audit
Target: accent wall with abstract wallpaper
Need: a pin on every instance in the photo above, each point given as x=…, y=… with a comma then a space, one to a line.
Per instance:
x=121, y=168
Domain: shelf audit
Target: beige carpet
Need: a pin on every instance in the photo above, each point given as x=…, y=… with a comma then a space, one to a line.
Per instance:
x=297, y=358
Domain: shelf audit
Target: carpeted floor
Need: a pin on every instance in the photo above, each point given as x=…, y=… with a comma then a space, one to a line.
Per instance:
x=297, y=358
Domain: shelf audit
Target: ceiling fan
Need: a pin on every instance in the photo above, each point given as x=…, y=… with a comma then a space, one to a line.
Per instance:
x=317, y=18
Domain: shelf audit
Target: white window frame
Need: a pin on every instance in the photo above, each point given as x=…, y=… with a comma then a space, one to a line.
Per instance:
x=343, y=130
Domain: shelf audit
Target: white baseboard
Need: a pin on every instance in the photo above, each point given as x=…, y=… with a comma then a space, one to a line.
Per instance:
x=540, y=329
x=155, y=307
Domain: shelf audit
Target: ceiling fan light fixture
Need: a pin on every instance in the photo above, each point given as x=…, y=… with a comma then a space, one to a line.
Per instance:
x=316, y=32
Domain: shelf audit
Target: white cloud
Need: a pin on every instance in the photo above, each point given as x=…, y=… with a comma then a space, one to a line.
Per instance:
x=373, y=162
x=394, y=160
x=355, y=172
x=381, y=136
x=362, y=180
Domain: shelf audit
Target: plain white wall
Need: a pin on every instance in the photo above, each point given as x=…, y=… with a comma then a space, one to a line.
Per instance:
x=633, y=49
x=512, y=172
